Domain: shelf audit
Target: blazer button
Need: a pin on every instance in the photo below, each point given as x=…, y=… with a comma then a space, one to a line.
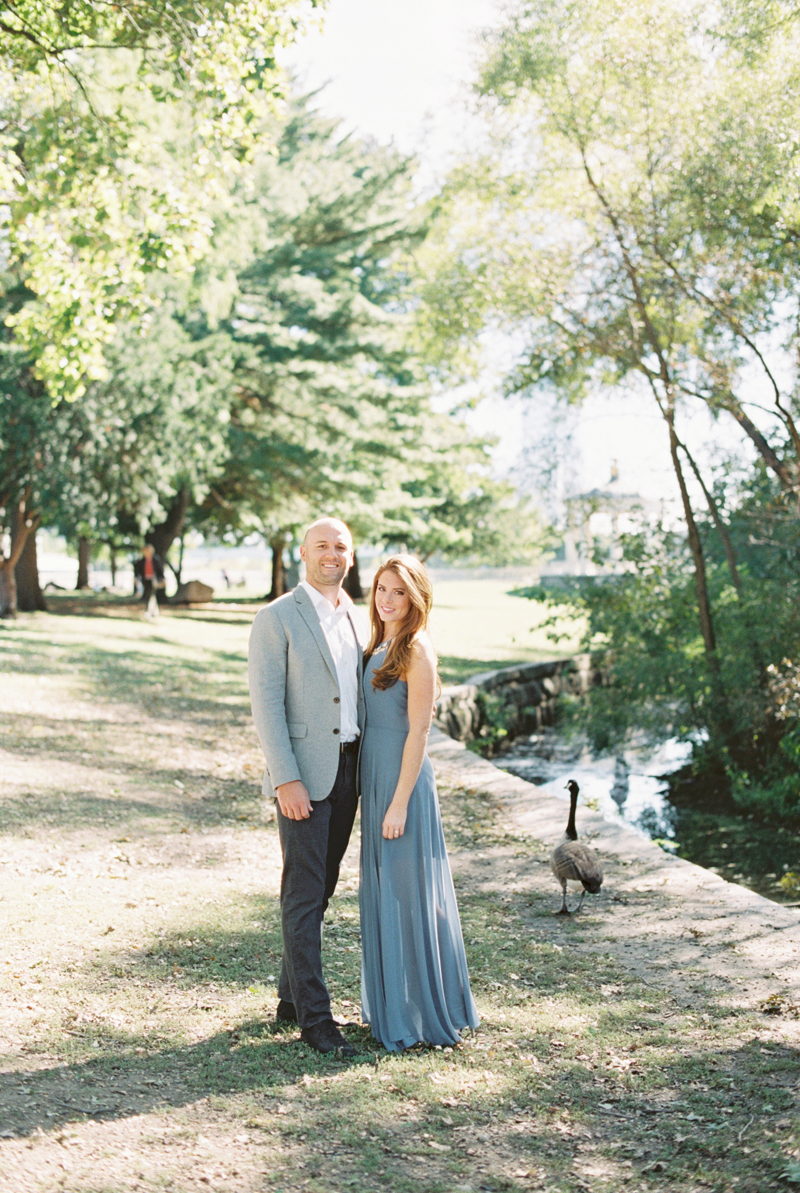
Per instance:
x=336, y=700
x=336, y=731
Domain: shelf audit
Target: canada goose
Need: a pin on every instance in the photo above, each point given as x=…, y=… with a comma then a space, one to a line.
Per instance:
x=573, y=862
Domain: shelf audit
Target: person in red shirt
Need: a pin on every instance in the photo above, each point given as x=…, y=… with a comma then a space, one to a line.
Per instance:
x=150, y=571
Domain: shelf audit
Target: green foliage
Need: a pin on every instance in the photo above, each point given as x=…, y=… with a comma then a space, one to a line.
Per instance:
x=326, y=398
x=642, y=627
x=121, y=122
x=629, y=235
x=454, y=509
x=496, y=719
x=791, y=882
x=775, y=789
x=159, y=423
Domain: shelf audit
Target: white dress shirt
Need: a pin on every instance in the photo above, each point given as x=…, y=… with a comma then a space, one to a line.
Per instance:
x=341, y=639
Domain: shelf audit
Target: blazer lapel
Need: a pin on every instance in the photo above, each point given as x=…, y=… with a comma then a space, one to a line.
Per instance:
x=309, y=615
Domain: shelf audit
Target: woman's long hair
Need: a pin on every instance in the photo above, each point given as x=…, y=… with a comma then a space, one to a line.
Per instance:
x=414, y=578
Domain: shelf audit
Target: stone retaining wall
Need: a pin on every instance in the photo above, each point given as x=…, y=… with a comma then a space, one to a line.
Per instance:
x=525, y=697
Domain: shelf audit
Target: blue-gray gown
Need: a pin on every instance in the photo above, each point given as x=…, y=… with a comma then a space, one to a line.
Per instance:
x=414, y=980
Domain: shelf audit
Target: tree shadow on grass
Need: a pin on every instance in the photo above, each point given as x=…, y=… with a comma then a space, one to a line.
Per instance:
x=133, y=1073
x=574, y=1126
x=133, y=1079
x=610, y=1092
x=132, y=608
x=73, y=809
x=168, y=686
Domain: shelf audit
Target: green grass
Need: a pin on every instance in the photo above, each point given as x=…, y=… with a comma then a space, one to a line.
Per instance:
x=141, y=944
x=479, y=624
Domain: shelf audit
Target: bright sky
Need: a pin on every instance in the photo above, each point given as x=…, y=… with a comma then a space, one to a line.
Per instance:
x=400, y=70
x=395, y=69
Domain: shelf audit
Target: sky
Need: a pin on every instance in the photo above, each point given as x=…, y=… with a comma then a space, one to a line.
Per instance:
x=400, y=71
x=395, y=69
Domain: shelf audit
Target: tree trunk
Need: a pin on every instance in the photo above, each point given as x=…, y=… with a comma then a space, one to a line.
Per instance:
x=112, y=564
x=721, y=715
x=179, y=572
x=352, y=582
x=730, y=557
x=84, y=556
x=21, y=526
x=8, y=589
x=278, y=546
x=30, y=598
x=788, y=482
x=722, y=529
x=163, y=536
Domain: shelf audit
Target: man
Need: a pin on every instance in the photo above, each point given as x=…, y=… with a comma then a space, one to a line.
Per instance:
x=305, y=688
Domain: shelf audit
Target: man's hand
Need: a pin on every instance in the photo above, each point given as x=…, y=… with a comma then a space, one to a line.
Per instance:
x=293, y=800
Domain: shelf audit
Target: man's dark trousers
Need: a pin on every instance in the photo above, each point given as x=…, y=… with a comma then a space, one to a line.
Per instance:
x=312, y=854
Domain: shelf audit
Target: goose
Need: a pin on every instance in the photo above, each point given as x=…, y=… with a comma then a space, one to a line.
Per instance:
x=573, y=862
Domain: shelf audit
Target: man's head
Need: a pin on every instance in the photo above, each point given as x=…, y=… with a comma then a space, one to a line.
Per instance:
x=148, y=550
x=327, y=552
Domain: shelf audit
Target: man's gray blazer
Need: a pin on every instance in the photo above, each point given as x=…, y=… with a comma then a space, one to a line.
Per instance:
x=295, y=695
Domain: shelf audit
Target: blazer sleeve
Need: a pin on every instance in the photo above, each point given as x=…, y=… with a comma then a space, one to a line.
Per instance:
x=267, y=669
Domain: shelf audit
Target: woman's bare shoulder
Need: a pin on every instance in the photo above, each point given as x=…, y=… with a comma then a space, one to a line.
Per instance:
x=422, y=649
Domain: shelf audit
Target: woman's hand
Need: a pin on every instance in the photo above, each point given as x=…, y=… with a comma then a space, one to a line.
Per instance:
x=394, y=822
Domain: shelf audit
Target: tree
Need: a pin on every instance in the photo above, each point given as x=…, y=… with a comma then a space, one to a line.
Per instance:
x=614, y=224
x=97, y=102
x=329, y=407
x=121, y=125
x=23, y=429
x=130, y=458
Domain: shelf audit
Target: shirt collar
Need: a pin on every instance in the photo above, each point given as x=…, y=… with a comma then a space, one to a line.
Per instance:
x=323, y=605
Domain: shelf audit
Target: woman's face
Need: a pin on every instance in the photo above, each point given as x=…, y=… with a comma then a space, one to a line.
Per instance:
x=392, y=601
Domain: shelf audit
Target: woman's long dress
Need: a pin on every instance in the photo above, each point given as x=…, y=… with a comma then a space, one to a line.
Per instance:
x=414, y=980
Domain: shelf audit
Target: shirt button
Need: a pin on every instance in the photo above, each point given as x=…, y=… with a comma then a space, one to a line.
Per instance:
x=336, y=731
x=336, y=700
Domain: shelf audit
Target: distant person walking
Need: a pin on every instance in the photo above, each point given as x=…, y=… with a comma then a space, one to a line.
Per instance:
x=305, y=687
x=150, y=571
x=414, y=980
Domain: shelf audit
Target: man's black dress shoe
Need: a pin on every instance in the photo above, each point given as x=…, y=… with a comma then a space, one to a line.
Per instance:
x=286, y=1012
x=326, y=1037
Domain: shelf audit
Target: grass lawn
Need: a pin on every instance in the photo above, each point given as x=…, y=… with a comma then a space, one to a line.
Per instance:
x=138, y=898
x=477, y=626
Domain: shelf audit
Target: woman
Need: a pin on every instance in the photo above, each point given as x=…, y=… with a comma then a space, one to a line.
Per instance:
x=414, y=981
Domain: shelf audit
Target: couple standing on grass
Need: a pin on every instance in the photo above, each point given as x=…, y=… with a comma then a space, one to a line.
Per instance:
x=335, y=720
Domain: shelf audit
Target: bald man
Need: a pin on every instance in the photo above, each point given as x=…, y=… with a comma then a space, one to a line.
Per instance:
x=306, y=664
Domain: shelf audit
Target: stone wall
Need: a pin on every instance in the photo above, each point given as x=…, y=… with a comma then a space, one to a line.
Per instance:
x=524, y=697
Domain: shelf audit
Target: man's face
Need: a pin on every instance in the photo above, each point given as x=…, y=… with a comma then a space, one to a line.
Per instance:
x=328, y=554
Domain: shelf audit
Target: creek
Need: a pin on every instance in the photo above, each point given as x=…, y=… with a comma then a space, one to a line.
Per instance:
x=641, y=787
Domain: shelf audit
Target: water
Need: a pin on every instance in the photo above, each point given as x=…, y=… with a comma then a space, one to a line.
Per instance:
x=694, y=824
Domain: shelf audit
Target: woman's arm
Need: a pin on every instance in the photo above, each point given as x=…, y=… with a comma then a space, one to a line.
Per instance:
x=421, y=680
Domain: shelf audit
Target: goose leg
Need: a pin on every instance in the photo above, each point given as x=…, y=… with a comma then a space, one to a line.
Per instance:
x=564, y=910
x=580, y=905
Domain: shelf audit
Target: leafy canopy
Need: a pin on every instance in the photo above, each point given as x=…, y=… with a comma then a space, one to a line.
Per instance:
x=119, y=124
